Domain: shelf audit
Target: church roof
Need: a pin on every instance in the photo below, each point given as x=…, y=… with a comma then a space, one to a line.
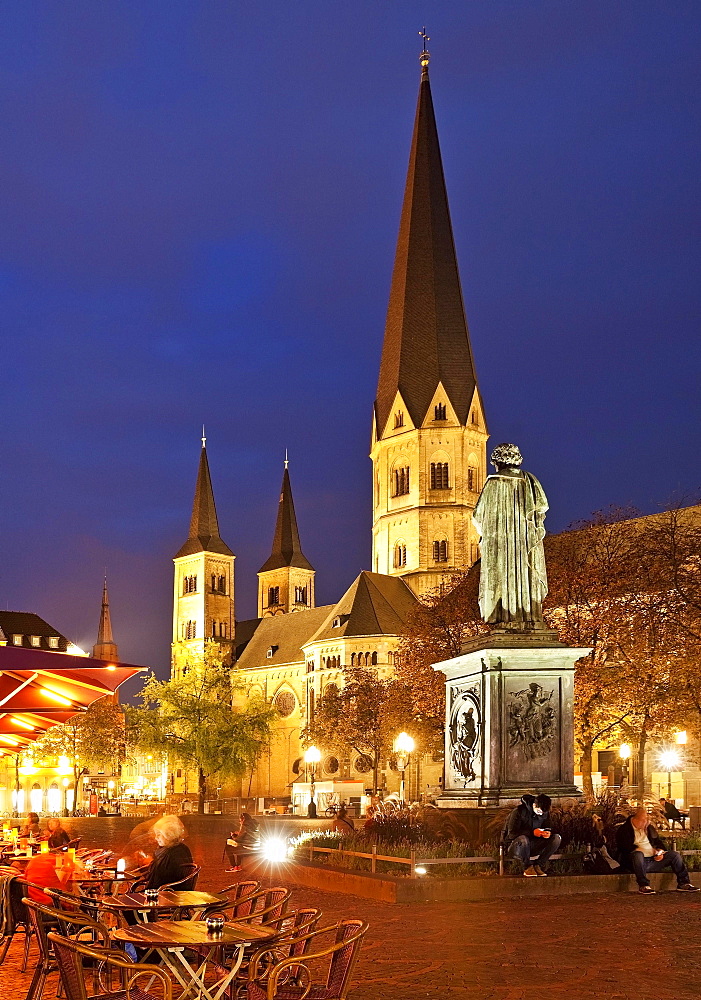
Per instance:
x=287, y=549
x=26, y=624
x=426, y=337
x=374, y=604
x=204, y=526
x=284, y=635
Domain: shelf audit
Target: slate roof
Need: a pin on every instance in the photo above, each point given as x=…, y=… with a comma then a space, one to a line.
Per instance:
x=287, y=549
x=26, y=624
x=204, y=526
x=374, y=604
x=426, y=337
x=288, y=632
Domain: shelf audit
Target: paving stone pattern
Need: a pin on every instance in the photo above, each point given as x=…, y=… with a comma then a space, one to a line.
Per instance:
x=584, y=947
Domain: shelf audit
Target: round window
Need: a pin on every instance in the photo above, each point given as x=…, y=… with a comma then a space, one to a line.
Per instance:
x=363, y=764
x=285, y=703
x=331, y=765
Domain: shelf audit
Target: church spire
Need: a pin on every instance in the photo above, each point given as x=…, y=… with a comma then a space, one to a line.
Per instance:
x=204, y=526
x=287, y=549
x=105, y=648
x=426, y=339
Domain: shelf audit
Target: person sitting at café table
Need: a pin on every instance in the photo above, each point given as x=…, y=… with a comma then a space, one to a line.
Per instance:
x=246, y=840
x=42, y=871
x=30, y=827
x=641, y=851
x=342, y=822
x=172, y=856
x=55, y=834
x=672, y=814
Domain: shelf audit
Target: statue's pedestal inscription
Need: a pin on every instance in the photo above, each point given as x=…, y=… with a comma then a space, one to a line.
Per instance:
x=509, y=719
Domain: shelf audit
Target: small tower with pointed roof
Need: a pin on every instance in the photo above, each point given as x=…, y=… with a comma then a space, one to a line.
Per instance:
x=105, y=648
x=203, y=593
x=286, y=578
x=429, y=431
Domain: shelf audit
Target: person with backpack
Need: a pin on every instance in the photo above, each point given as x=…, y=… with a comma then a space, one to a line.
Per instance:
x=528, y=831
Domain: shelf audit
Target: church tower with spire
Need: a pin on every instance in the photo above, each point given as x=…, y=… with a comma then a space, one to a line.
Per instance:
x=105, y=648
x=286, y=578
x=429, y=432
x=203, y=593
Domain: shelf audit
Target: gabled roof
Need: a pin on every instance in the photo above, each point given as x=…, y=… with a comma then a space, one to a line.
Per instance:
x=285, y=634
x=374, y=604
x=204, y=526
x=426, y=336
x=26, y=624
x=287, y=549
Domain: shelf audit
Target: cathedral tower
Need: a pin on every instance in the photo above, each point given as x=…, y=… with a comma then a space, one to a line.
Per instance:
x=429, y=432
x=286, y=578
x=105, y=648
x=203, y=595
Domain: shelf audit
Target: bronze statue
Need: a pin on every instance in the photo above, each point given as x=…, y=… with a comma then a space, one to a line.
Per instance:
x=509, y=517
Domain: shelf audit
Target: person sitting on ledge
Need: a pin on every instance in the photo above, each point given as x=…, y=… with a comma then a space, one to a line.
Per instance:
x=672, y=814
x=528, y=832
x=641, y=851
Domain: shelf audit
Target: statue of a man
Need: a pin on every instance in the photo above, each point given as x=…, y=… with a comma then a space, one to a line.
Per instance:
x=509, y=517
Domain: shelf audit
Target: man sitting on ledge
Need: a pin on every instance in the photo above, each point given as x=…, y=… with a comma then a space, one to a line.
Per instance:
x=528, y=832
x=641, y=851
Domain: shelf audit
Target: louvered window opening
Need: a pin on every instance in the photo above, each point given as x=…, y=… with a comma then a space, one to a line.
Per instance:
x=401, y=481
x=439, y=476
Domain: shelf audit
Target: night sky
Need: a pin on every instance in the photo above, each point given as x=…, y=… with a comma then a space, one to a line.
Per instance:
x=198, y=209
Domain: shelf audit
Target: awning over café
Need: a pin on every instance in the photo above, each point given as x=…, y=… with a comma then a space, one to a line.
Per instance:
x=39, y=689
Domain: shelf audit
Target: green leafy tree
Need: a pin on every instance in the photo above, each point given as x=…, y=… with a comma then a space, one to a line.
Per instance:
x=95, y=738
x=364, y=715
x=203, y=720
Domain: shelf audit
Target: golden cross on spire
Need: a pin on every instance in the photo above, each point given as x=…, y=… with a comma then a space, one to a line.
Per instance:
x=425, y=54
x=204, y=439
x=287, y=461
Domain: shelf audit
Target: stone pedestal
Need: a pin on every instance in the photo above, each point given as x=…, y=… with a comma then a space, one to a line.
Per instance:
x=509, y=725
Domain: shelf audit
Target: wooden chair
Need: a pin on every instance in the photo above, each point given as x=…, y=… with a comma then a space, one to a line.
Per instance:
x=188, y=881
x=69, y=958
x=295, y=937
x=320, y=973
x=45, y=918
x=73, y=843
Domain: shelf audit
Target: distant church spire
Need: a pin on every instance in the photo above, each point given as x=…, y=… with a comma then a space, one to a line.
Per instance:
x=287, y=548
x=204, y=526
x=426, y=339
x=105, y=648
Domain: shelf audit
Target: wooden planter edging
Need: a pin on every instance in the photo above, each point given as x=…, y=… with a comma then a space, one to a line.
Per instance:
x=391, y=889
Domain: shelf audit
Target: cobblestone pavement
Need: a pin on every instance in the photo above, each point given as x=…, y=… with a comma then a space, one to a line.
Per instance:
x=618, y=946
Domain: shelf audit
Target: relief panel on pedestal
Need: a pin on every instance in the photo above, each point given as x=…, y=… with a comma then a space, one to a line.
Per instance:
x=532, y=731
x=464, y=757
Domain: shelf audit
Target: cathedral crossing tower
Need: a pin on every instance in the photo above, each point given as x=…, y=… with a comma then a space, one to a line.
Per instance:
x=286, y=578
x=105, y=648
x=203, y=596
x=429, y=432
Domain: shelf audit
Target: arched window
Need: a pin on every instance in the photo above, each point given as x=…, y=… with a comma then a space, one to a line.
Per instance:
x=373, y=659
x=439, y=476
x=352, y=659
x=53, y=798
x=399, y=555
x=273, y=596
x=222, y=584
x=390, y=658
x=190, y=630
x=400, y=481
x=398, y=419
x=214, y=629
x=367, y=659
x=472, y=479
x=214, y=581
x=36, y=798
x=223, y=629
x=439, y=411
x=300, y=595
x=440, y=550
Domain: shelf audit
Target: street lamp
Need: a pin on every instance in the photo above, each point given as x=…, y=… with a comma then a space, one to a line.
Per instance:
x=403, y=747
x=670, y=761
x=312, y=756
x=681, y=738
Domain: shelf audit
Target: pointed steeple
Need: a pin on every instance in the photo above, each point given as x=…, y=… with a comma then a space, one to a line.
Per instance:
x=426, y=337
x=105, y=648
x=204, y=526
x=287, y=549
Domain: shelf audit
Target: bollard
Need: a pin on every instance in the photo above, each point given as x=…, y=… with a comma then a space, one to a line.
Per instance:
x=373, y=859
x=501, y=859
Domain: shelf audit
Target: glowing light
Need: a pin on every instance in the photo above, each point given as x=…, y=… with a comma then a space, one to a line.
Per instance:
x=274, y=849
x=121, y=865
x=681, y=738
x=65, y=782
x=312, y=755
x=624, y=752
x=110, y=666
x=404, y=743
x=10, y=739
x=21, y=723
x=420, y=870
x=670, y=761
x=55, y=696
x=74, y=650
x=110, y=785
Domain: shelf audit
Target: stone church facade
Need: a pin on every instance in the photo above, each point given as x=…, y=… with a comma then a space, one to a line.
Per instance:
x=428, y=455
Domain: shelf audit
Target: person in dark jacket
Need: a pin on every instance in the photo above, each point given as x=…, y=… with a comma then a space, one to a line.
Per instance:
x=672, y=814
x=172, y=856
x=246, y=840
x=528, y=831
x=640, y=850
x=55, y=834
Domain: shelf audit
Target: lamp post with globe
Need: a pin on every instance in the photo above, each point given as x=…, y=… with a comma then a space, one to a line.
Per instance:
x=403, y=747
x=312, y=756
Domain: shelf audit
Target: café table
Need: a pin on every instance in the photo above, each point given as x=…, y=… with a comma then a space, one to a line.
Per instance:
x=168, y=899
x=170, y=938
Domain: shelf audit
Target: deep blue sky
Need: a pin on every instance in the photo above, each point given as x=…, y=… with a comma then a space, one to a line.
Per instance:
x=198, y=209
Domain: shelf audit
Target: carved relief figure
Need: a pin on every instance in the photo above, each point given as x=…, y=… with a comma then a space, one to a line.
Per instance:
x=532, y=721
x=465, y=726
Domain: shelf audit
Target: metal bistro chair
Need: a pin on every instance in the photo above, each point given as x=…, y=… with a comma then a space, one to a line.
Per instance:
x=45, y=918
x=296, y=977
x=188, y=880
x=69, y=957
x=295, y=937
